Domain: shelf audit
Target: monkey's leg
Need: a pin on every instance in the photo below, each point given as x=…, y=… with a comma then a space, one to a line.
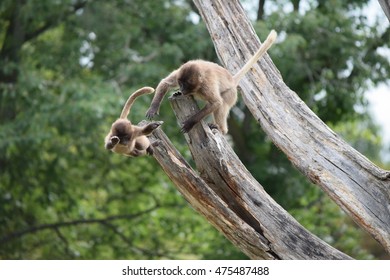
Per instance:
x=220, y=117
x=148, y=129
x=221, y=114
x=150, y=150
x=230, y=97
x=140, y=147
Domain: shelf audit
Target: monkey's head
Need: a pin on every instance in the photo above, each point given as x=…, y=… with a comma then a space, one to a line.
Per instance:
x=121, y=138
x=189, y=78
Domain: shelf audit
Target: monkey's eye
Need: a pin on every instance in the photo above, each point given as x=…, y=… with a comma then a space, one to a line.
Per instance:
x=123, y=139
x=182, y=84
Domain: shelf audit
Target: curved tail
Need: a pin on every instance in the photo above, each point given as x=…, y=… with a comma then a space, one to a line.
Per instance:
x=264, y=47
x=131, y=99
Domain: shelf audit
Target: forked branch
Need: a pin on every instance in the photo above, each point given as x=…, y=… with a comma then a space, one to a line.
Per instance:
x=229, y=197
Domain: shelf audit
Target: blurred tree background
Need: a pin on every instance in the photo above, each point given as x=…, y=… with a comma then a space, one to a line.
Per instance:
x=66, y=69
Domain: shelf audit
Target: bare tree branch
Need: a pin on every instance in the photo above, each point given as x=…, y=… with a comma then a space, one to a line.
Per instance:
x=55, y=226
x=137, y=250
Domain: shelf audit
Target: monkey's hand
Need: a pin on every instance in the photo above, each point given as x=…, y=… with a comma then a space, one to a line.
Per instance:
x=151, y=113
x=187, y=126
x=112, y=142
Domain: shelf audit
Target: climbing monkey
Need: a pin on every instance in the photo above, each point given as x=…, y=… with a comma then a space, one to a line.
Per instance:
x=210, y=82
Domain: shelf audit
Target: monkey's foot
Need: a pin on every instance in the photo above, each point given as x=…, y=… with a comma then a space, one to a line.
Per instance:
x=177, y=93
x=187, y=126
x=213, y=126
x=151, y=113
x=155, y=125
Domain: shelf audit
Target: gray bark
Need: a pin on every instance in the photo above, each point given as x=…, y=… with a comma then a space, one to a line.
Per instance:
x=385, y=4
x=359, y=187
x=224, y=192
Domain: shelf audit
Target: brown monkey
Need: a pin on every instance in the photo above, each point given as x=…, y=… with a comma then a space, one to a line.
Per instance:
x=210, y=82
x=127, y=139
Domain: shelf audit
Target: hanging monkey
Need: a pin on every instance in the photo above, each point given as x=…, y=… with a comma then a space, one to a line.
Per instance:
x=128, y=139
x=210, y=82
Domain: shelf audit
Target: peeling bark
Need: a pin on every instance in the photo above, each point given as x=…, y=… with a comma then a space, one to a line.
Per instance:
x=228, y=196
x=385, y=4
x=359, y=187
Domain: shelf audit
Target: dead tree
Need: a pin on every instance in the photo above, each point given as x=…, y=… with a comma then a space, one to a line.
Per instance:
x=227, y=195
x=225, y=192
x=385, y=4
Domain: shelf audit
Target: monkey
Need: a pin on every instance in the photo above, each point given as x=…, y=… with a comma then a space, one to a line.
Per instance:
x=210, y=82
x=127, y=139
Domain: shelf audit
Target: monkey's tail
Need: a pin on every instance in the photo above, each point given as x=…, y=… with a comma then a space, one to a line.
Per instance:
x=132, y=98
x=264, y=47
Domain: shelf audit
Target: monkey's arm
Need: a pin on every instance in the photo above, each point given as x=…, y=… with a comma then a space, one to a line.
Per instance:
x=214, y=102
x=161, y=90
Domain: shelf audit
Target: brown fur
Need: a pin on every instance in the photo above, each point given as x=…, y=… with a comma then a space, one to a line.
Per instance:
x=127, y=139
x=210, y=82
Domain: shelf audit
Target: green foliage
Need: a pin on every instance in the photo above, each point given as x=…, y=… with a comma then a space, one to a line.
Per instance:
x=64, y=80
x=62, y=195
x=333, y=55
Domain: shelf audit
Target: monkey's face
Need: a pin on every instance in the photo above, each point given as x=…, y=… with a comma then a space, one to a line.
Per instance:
x=121, y=137
x=189, y=79
x=186, y=87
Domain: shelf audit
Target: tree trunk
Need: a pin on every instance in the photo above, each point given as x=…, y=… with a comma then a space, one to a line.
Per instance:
x=260, y=10
x=225, y=192
x=385, y=4
x=227, y=195
x=359, y=187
